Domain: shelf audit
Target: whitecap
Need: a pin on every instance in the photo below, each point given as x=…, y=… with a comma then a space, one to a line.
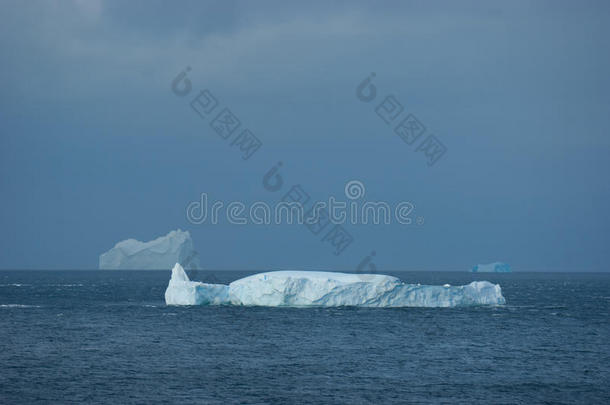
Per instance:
x=19, y=306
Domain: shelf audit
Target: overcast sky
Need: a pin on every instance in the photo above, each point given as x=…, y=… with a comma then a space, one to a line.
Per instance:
x=95, y=147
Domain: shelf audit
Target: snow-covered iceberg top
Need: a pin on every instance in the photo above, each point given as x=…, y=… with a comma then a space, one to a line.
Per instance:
x=496, y=267
x=326, y=289
x=157, y=254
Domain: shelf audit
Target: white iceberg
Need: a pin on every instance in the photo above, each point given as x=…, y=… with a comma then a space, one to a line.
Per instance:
x=160, y=253
x=496, y=267
x=326, y=289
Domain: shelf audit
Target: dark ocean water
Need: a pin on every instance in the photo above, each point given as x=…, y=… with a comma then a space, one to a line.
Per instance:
x=107, y=337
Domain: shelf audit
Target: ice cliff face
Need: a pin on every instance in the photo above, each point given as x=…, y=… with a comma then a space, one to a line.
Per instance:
x=182, y=291
x=326, y=289
x=496, y=267
x=160, y=253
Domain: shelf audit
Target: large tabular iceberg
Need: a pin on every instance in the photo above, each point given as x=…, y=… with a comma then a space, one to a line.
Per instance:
x=326, y=289
x=157, y=254
x=496, y=267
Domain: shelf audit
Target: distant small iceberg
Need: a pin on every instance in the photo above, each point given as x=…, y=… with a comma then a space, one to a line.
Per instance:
x=157, y=254
x=496, y=267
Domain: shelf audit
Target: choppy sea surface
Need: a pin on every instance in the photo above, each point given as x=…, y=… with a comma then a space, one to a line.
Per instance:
x=108, y=337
